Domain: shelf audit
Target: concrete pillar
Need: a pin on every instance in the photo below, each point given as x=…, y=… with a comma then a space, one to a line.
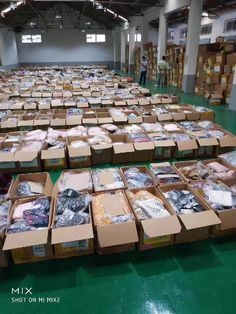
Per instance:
x=232, y=104
x=116, y=49
x=191, y=53
x=122, y=48
x=145, y=27
x=131, y=48
x=162, y=36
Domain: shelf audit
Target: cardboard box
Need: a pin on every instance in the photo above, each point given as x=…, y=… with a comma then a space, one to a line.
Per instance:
x=53, y=159
x=115, y=238
x=89, y=118
x=191, y=114
x=74, y=240
x=156, y=232
x=43, y=178
x=101, y=153
x=164, y=164
x=81, y=156
x=103, y=116
x=163, y=149
x=82, y=181
x=142, y=169
x=195, y=226
x=143, y=151
x=28, y=161
x=7, y=159
x=227, y=143
x=177, y=115
x=5, y=258
x=231, y=59
x=223, y=163
x=227, y=217
x=207, y=147
x=29, y=246
x=72, y=120
x=58, y=119
x=143, y=101
x=122, y=153
x=42, y=121
x=134, y=117
x=186, y=148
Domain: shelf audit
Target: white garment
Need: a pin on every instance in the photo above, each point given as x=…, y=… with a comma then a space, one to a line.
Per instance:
x=143, y=66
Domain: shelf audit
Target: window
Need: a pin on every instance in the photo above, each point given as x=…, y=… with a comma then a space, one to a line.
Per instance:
x=230, y=25
x=206, y=29
x=137, y=37
x=95, y=38
x=183, y=33
x=171, y=35
x=29, y=39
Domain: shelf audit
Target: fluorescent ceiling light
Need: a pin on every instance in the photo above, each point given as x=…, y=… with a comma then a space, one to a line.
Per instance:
x=87, y=23
x=12, y=6
x=58, y=16
x=122, y=18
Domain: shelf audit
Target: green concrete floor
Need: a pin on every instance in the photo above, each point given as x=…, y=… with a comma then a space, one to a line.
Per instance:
x=193, y=278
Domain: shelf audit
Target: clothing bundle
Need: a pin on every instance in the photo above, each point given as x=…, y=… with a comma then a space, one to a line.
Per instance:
x=9, y=149
x=29, y=188
x=137, y=178
x=179, y=137
x=73, y=180
x=152, y=127
x=165, y=174
x=139, y=137
x=111, y=128
x=74, y=112
x=221, y=171
x=206, y=124
x=147, y=206
x=132, y=129
x=190, y=125
x=30, y=216
x=107, y=179
x=183, y=202
x=230, y=158
x=55, y=144
x=72, y=208
x=197, y=171
x=171, y=127
x=103, y=203
x=160, y=136
x=4, y=211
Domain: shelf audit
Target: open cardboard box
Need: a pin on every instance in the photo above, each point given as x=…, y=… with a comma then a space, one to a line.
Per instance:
x=143, y=151
x=180, y=164
x=10, y=122
x=155, y=101
x=29, y=246
x=5, y=258
x=115, y=238
x=7, y=159
x=137, y=118
x=177, y=115
x=28, y=161
x=208, y=115
x=132, y=102
x=104, y=116
x=142, y=169
x=156, y=232
x=164, y=164
x=42, y=177
x=81, y=104
x=101, y=153
x=223, y=163
x=31, y=105
x=74, y=240
x=58, y=118
x=120, y=103
x=227, y=143
x=207, y=147
x=122, y=153
x=53, y=158
x=73, y=119
x=82, y=181
x=147, y=114
x=57, y=101
x=163, y=149
x=89, y=117
x=81, y=156
x=185, y=148
x=42, y=120
x=227, y=217
x=143, y=101
x=195, y=226
x=164, y=117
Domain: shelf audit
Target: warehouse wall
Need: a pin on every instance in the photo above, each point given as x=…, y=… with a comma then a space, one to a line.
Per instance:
x=217, y=29
x=8, y=49
x=66, y=46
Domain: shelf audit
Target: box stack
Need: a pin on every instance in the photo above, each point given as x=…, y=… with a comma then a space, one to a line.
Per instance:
x=175, y=58
x=137, y=60
x=150, y=51
x=215, y=70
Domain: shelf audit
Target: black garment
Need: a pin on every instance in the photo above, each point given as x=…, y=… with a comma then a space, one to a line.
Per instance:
x=143, y=75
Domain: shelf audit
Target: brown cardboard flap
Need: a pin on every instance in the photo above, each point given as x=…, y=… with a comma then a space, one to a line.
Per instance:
x=101, y=146
x=25, y=122
x=41, y=122
x=73, y=120
x=208, y=142
x=161, y=226
x=144, y=146
x=117, y=234
x=78, y=152
x=167, y=143
x=5, y=157
x=228, y=219
x=105, y=120
x=74, y=233
x=202, y=219
x=119, y=119
x=228, y=141
x=186, y=145
x=123, y=148
x=24, y=239
x=52, y=153
x=105, y=178
x=25, y=156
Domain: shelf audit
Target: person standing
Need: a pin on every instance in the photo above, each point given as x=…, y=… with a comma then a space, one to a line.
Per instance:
x=143, y=70
x=162, y=72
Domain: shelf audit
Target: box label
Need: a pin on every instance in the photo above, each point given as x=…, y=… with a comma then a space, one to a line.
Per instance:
x=161, y=239
x=39, y=250
x=55, y=162
x=78, y=245
x=27, y=164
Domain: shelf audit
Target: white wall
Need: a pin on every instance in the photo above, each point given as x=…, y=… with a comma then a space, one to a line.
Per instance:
x=65, y=45
x=217, y=28
x=8, y=48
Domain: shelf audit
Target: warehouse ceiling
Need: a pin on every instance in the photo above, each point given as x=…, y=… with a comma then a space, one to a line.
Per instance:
x=106, y=13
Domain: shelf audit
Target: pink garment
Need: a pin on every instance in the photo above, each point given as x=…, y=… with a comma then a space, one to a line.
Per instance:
x=217, y=167
x=18, y=212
